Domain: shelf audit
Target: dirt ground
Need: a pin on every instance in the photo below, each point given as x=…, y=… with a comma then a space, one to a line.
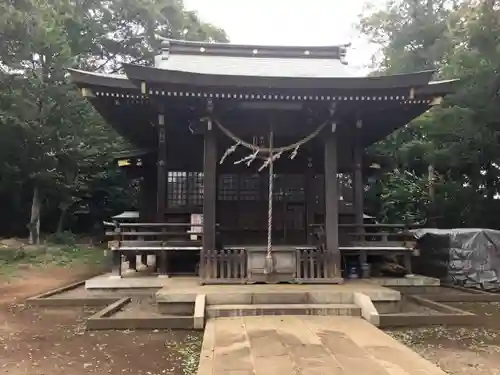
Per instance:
x=463, y=350
x=36, y=341
x=53, y=341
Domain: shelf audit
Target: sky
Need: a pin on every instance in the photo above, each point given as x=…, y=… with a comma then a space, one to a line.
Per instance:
x=289, y=22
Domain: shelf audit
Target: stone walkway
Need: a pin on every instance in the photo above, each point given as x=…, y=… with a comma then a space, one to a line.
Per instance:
x=305, y=345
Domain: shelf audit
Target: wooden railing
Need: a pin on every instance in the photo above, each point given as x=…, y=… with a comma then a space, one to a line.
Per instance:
x=130, y=239
x=224, y=266
x=372, y=239
x=154, y=236
x=378, y=235
x=229, y=266
x=314, y=264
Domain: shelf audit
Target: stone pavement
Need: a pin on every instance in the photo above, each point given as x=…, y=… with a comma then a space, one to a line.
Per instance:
x=305, y=345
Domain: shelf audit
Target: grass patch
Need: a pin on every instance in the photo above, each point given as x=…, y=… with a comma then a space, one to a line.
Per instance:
x=13, y=259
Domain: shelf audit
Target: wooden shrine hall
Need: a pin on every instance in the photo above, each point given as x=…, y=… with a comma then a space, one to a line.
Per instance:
x=250, y=158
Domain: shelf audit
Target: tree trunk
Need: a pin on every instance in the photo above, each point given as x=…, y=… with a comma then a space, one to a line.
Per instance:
x=432, y=196
x=489, y=208
x=62, y=218
x=34, y=225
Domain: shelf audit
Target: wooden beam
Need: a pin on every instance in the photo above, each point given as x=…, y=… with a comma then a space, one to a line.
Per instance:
x=161, y=191
x=332, y=205
x=209, y=189
x=358, y=193
x=358, y=189
x=310, y=199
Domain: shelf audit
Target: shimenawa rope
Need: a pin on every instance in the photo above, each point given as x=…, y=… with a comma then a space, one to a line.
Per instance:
x=273, y=154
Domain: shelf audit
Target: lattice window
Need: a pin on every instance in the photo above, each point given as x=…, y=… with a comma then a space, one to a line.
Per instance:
x=249, y=187
x=195, y=188
x=289, y=187
x=177, y=189
x=293, y=187
x=184, y=189
x=228, y=187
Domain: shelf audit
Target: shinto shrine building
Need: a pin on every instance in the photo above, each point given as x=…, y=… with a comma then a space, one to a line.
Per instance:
x=251, y=158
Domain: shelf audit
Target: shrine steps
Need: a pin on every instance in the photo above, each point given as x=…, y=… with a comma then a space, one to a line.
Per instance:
x=203, y=307
x=220, y=311
x=205, y=302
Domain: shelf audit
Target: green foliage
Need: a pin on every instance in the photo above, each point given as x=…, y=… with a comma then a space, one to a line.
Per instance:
x=405, y=197
x=413, y=35
x=460, y=138
x=50, y=137
x=49, y=255
x=62, y=238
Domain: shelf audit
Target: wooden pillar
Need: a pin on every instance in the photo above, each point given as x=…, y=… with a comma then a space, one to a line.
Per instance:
x=358, y=186
x=209, y=194
x=132, y=261
x=162, y=257
x=310, y=200
x=148, y=195
x=358, y=195
x=116, y=255
x=332, y=205
x=161, y=188
x=144, y=259
x=116, y=263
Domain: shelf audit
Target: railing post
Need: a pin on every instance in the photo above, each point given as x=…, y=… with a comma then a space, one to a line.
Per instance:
x=116, y=256
x=163, y=269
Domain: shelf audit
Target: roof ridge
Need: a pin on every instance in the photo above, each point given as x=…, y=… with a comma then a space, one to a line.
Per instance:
x=173, y=46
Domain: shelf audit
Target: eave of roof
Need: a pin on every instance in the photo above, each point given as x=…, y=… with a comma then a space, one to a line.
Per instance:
x=83, y=78
x=159, y=76
x=438, y=87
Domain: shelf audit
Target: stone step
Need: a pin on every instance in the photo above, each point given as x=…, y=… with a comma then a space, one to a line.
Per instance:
x=219, y=311
x=285, y=298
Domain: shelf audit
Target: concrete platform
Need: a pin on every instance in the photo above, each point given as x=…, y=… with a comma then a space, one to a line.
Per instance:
x=146, y=279
x=305, y=346
x=129, y=280
x=186, y=290
x=407, y=281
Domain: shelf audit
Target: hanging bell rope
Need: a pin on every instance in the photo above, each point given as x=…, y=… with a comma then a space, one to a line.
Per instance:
x=269, y=264
x=272, y=155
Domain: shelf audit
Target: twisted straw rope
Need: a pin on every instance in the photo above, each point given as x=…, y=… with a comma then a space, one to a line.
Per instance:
x=270, y=151
x=256, y=148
